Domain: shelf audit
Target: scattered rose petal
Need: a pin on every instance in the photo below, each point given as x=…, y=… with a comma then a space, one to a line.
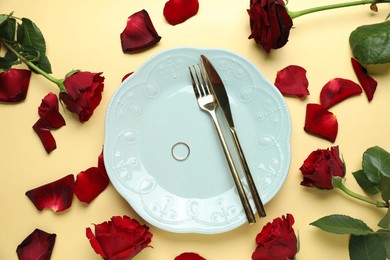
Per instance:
x=368, y=83
x=320, y=166
x=337, y=90
x=36, y=246
x=50, y=119
x=14, y=85
x=126, y=76
x=121, y=238
x=178, y=11
x=189, y=256
x=50, y=101
x=56, y=195
x=83, y=93
x=47, y=139
x=102, y=166
x=292, y=81
x=319, y=121
x=139, y=33
x=89, y=184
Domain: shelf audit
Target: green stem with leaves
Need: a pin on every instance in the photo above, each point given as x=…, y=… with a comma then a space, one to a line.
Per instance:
x=295, y=14
x=338, y=183
x=33, y=67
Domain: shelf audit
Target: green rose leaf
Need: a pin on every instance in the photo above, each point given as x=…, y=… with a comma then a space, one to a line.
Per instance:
x=7, y=29
x=385, y=236
x=9, y=60
x=384, y=186
x=385, y=222
x=365, y=183
x=341, y=224
x=376, y=162
x=368, y=247
x=370, y=44
x=29, y=35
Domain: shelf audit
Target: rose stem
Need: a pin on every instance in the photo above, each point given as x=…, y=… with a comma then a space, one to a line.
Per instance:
x=36, y=69
x=338, y=183
x=295, y=14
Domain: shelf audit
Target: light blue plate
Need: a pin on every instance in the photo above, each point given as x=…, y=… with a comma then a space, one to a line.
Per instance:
x=162, y=152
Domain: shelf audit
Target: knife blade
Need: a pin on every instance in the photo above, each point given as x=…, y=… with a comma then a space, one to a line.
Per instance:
x=222, y=98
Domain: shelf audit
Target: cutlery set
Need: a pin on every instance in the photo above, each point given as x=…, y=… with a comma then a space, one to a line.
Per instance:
x=211, y=95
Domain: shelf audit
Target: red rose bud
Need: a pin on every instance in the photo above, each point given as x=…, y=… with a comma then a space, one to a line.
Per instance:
x=320, y=122
x=270, y=23
x=320, y=167
x=83, y=93
x=14, y=85
x=139, y=33
x=368, y=83
x=277, y=240
x=337, y=90
x=121, y=238
x=38, y=246
x=178, y=11
x=292, y=81
x=56, y=195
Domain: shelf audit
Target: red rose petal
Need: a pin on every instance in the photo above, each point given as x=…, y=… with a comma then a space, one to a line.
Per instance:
x=292, y=81
x=36, y=246
x=368, y=83
x=336, y=90
x=56, y=195
x=319, y=121
x=178, y=11
x=126, y=76
x=89, y=184
x=47, y=139
x=102, y=167
x=52, y=119
x=139, y=33
x=14, y=85
x=189, y=256
x=50, y=101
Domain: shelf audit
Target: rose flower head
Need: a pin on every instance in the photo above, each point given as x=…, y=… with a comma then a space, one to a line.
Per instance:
x=122, y=238
x=83, y=93
x=277, y=240
x=320, y=167
x=270, y=23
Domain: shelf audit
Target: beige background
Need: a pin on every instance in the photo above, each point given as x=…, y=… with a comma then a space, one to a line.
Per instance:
x=85, y=35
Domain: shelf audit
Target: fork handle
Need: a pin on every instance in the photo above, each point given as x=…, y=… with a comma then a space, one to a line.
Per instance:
x=240, y=189
x=251, y=184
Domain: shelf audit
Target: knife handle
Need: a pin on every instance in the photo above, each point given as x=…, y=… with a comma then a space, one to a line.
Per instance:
x=236, y=177
x=251, y=184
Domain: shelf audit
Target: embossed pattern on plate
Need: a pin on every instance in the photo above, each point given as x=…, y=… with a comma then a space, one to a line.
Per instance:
x=155, y=109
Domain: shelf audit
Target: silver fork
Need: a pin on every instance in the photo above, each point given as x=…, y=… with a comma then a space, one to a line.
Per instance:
x=207, y=103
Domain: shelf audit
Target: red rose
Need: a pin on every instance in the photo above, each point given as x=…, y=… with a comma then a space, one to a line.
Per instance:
x=320, y=167
x=83, y=93
x=277, y=240
x=270, y=23
x=14, y=85
x=120, y=238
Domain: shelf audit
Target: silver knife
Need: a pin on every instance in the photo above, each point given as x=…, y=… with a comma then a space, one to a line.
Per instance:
x=223, y=100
